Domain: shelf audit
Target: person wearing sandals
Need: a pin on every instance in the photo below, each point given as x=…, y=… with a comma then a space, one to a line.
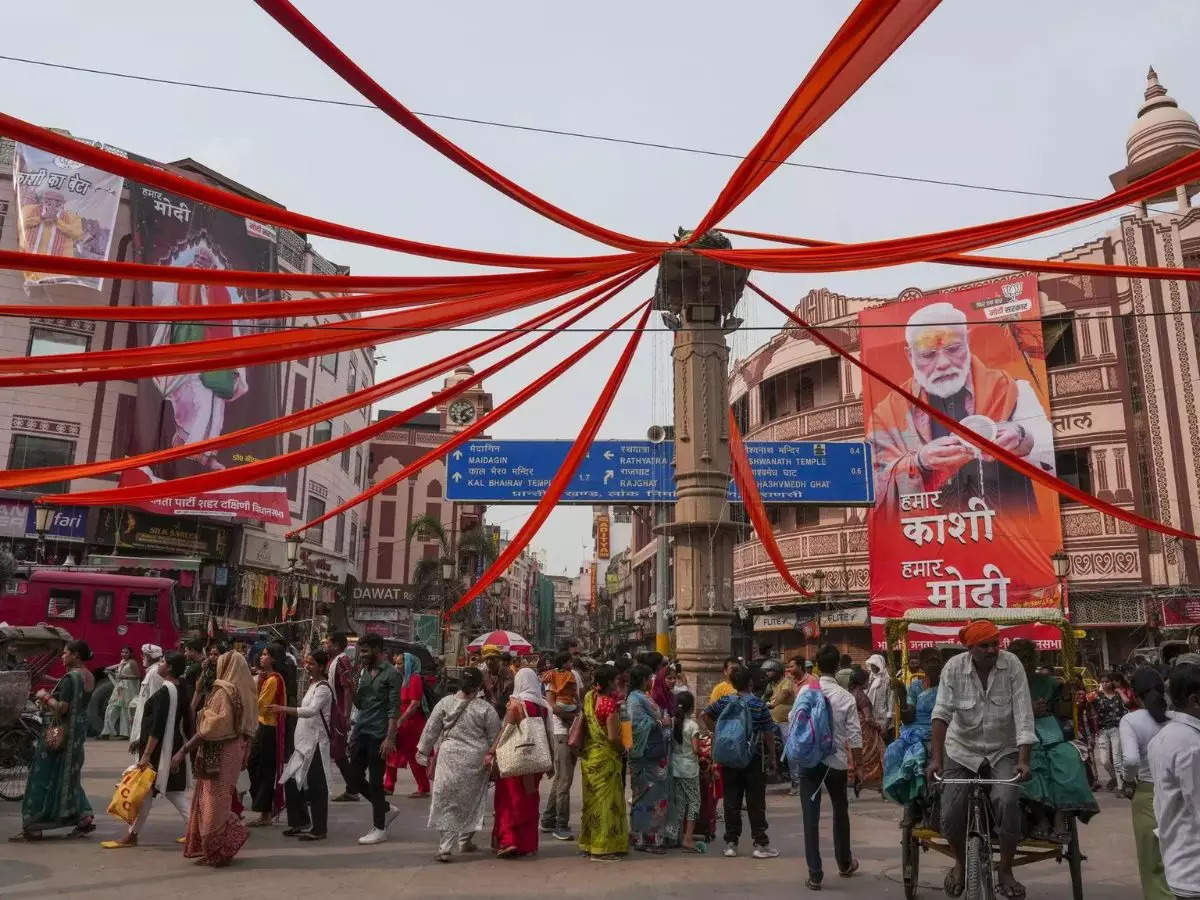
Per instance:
x=515, y=832
x=685, y=776
x=54, y=796
x=983, y=722
x=649, y=765
x=309, y=765
x=456, y=741
x=603, y=823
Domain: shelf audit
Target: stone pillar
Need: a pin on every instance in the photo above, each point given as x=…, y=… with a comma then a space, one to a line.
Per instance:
x=698, y=295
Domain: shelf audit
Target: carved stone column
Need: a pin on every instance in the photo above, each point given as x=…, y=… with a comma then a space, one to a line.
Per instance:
x=699, y=295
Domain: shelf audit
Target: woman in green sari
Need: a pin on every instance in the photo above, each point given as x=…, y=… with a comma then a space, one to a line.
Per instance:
x=54, y=796
x=1059, y=782
x=604, y=825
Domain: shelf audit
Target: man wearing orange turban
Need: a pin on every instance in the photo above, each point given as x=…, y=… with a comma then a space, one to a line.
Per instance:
x=982, y=727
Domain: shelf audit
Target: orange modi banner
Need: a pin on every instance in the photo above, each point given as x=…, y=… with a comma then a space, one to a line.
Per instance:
x=952, y=528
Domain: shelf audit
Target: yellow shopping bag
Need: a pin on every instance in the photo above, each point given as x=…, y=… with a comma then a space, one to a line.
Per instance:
x=134, y=788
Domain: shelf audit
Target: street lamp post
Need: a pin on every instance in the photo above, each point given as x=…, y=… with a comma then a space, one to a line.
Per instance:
x=444, y=602
x=43, y=516
x=292, y=547
x=1062, y=566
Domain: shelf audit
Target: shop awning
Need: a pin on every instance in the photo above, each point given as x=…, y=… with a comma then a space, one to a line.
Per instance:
x=109, y=561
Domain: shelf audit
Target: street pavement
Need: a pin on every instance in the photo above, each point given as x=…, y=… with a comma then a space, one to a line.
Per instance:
x=272, y=866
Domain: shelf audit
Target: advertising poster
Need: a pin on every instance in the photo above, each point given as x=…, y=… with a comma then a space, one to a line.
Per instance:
x=951, y=528
x=180, y=409
x=64, y=208
x=603, y=537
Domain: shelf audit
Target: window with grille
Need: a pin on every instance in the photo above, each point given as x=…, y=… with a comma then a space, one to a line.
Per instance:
x=1058, y=337
x=33, y=451
x=63, y=604
x=316, y=509
x=1074, y=466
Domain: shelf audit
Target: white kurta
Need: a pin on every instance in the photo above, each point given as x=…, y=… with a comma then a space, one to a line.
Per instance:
x=150, y=683
x=312, y=735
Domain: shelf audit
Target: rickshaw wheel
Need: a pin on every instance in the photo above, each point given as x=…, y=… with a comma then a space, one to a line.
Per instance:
x=1075, y=860
x=16, y=756
x=910, y=854
x=978, y=872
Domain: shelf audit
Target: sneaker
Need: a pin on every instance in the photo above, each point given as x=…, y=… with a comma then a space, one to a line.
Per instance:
x=761, y=852
x=441, y=857
x=731, y=850
x=374, y=836
x=548, y=829
x=562, y=834
x=344, y=797
x=389, y=817
x=794, y=792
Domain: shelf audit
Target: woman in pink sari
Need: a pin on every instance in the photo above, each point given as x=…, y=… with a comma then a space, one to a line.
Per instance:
x=224, y=727
x=517, y=809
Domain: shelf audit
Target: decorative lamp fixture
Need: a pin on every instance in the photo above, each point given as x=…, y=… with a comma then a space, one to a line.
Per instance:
x=1061, y=563
x=819, y=581
x=43, y=517
x=447, y=571
x=293, y=548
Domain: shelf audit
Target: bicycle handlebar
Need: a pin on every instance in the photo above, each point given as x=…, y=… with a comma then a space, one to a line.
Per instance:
x=1014, y=780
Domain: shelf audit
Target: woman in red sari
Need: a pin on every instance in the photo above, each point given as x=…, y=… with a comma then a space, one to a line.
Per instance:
x=408, y=730
x=517, y=807
x=267, y=755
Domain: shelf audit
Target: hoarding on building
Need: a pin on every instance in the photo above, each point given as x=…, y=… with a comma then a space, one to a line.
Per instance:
x=180, y=409
x=603, y=537
x=64, y=208
x=951, y=528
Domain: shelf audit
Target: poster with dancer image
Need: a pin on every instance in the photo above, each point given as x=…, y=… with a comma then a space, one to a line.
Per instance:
x=174, y=410
x=64, y=208
x=952, y=527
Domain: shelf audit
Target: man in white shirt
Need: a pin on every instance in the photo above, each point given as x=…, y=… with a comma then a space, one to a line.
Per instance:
x=1175, y=767
x=832, y=773
x=983, y=720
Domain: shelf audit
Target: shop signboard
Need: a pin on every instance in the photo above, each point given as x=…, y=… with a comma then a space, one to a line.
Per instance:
x=130, y=529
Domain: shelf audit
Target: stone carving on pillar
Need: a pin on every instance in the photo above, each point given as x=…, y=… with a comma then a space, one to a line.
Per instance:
x=697, y=297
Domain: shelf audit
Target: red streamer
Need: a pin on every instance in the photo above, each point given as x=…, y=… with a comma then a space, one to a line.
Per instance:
x=870, y=35
x=47, y=140
x=743, y=476
x=303, y=418
x=256, y=471
x=1005, y=262
x=989, y=447
x=328, y=52
x=269, y=347
x=564, y=474
x=924, y=247
x=478, y=426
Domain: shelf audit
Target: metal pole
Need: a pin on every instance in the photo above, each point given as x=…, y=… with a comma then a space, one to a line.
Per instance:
x=662, y=640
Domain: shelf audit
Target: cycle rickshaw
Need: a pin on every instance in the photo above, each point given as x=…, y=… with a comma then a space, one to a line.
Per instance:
x=919, y=832
x=25, y=656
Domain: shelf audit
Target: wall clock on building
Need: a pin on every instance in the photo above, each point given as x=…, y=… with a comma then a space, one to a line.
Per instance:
x=461, y=412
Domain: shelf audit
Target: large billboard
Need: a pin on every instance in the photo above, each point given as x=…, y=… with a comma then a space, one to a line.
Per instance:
x=173, y=410
x=64, y=208
x=953, y=528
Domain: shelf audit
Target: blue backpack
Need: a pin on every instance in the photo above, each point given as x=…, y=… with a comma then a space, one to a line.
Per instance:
x=810, y=739
x=734, y=740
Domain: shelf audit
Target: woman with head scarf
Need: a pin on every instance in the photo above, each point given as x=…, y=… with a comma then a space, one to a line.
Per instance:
x=869, y=770
x=224, y=728
x=664, y=690
x=649, y=765
x=515, y=832
x=879, y=692
x=413, y=710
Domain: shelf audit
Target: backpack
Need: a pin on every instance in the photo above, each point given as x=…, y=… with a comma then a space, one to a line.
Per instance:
x=430, y=695
x=810, y=738
x=734, y=739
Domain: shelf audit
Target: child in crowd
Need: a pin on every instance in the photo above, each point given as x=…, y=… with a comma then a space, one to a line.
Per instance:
x=685, y=775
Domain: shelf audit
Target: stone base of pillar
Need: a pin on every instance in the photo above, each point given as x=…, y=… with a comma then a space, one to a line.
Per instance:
x=702, y=642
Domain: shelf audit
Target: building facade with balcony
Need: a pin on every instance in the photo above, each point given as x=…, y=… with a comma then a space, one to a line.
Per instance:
x=1121, y=356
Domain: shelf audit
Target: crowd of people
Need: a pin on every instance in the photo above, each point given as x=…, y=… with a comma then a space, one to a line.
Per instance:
x=655, y=762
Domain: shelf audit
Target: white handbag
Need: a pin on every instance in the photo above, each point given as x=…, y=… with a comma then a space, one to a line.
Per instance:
x=524, y=748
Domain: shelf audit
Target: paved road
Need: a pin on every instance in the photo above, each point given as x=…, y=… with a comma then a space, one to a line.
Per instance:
x=272, y=866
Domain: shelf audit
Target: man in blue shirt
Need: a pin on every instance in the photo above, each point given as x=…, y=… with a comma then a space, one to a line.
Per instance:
x=751, y=782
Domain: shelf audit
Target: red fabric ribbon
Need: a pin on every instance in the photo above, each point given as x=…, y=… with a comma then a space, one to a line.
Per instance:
x=563, y=476
x=993, y=449
x=266, y=468
x=924, y=247
x=870, y=35
x=329, y=53
x=1005, y=262
x=47, y=140
x=270, y=347
x=478, y=426
x=743, y=476
x=302, y=418
x=19, y=261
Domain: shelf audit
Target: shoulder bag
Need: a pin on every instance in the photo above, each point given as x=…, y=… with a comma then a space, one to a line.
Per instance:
x=577, y=734
x=524, y=749
x=450, y=723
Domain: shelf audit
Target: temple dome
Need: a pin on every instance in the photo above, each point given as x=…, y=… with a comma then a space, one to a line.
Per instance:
x=1161, y=126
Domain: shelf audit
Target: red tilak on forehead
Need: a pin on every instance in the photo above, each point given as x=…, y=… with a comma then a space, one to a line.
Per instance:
x=936, y=338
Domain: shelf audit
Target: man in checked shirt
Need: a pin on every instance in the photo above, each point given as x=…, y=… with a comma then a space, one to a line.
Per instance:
x=982, y=726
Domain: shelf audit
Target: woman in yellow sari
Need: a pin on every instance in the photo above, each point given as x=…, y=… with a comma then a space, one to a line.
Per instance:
x=604, y=824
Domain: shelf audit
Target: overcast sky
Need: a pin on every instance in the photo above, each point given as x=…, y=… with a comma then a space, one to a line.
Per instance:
x=1030, y=95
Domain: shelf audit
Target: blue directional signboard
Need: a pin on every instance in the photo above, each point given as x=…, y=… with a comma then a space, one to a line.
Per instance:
x=516, y=471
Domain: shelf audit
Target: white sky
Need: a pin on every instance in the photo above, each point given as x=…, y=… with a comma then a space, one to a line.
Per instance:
x=1025, y=94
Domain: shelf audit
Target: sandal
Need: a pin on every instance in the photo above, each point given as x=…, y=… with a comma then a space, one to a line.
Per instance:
x=259, y=823
x=812, y=884
x=954, y=884
x=1013, y=890
x=853, y=867
x=25, y=837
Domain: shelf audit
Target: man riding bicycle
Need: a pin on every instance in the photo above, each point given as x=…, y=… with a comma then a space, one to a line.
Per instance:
x=983, y=719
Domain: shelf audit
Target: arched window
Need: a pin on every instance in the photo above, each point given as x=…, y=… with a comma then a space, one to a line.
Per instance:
x=434, y=489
